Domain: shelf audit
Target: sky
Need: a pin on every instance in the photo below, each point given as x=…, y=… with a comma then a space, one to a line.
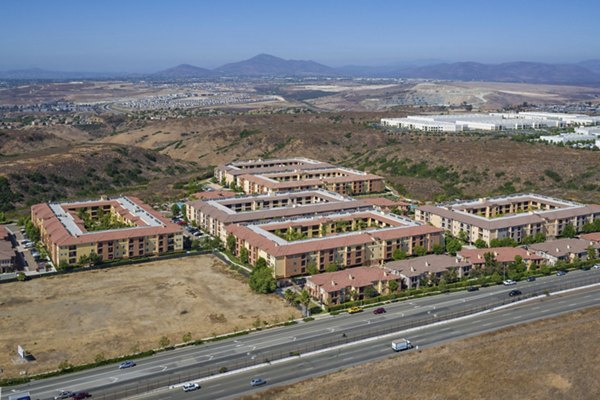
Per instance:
x=147, y=36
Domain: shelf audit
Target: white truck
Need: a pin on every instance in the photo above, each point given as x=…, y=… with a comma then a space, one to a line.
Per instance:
x=401, y=344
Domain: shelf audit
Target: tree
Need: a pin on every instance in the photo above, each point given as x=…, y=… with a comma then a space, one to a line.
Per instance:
x=331, y=267
x=462, y=235
x=453, y=245
x=311, y=268
x=175, y=210
x=244, y=255
x=84, y=260
x=438, y=248
x=420, y=250
x=261, y=262
x=94, y=258
x=399, y=254
x=262, y=281
x=480, y=244
x=568, y=231
x=393, y=286
x=231, y=243
x=304, y=300
x=591, y=252
x=290, y=296
x=369, y=292
x=490, y=261
x=2, y=217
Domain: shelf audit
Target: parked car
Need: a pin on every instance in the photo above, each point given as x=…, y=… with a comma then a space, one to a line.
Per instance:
x=64, y=394
x=515, y=293
x=379, y=310
x=257, y=382
x=596, y=266
x=530, y=278
x=472, y=289
x=127, y=364
x=190, y=387
x=509, y=282
x=81, y=395
x=561, y=273
x=354, y=310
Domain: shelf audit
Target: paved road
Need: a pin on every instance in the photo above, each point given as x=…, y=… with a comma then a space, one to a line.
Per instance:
x=298, y=369
x=193, y=362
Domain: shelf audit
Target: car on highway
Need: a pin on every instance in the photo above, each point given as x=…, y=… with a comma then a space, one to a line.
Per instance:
x=257, y=382
x=561, y=273
x=515, y=293
x=530, y=278
x=81, y=395
x=509, y=282
x=190, y=387
x=379, y=310
x=354, y=310
x=472, y=289
x=127, y=364
x=64, y=394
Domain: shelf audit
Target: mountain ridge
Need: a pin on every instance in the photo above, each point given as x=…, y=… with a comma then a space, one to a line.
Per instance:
x=266, y=65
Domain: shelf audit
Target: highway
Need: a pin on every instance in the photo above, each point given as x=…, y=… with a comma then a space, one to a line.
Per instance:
x=192, y=362
x=298, y=369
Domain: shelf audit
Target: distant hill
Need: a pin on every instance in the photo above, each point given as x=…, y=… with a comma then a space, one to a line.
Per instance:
x=529, y=72
x=592, y=65
x=184, y=71
x=42, y=74
x=265, y=65
x=268, y=65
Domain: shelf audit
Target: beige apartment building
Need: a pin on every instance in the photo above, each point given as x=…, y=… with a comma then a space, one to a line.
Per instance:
x=515, y=216
x=137, y=230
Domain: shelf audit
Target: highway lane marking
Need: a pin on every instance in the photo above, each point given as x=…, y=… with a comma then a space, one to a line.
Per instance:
x=487, y=324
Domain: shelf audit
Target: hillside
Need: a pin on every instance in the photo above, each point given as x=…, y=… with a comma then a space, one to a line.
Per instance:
x=184, y=71
x=80, y=171
x=265, y=64
x=420, y=166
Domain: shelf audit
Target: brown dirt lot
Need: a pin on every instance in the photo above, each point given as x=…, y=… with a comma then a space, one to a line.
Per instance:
x=557, y=358
x=122, y=310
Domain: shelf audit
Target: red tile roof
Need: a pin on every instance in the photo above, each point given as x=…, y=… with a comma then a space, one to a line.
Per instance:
x=502, y=254
x=594, y=236
x=357, y=277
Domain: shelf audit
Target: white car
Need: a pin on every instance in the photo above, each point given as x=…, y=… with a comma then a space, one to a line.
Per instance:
x=190, y=387
x=509, y=282
x=596, y=266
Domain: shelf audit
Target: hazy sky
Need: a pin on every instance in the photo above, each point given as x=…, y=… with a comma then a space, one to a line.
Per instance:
x=146, y=36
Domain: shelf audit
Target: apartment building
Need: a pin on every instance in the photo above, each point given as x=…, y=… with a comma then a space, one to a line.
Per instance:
x=503, y=256
x=414, y=270
x=515, y=216
x=564, y=249
x=271, y=176
x=347, y=239
x=215, y=215
x=112, y=228
x=338, y=287
x=8, y=256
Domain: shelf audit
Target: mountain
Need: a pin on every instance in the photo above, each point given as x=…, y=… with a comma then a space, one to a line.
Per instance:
x=592, y=65
x=42, y=74
x=529, y=72
x=268, y=65
x=184, y=71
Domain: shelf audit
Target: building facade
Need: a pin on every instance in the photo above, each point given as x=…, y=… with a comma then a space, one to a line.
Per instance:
x=122, y=227
x=515, y=216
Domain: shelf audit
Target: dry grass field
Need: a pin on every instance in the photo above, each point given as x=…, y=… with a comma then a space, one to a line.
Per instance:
x=557, y=358
x=122, y=310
